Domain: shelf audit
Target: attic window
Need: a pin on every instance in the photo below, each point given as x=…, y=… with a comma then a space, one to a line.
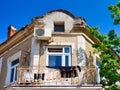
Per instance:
x=59, y=27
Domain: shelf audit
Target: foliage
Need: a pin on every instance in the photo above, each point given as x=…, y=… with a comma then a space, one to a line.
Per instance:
x=115, y=12
x=109, y=47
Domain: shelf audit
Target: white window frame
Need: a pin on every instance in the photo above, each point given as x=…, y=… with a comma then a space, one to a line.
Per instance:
x=15, y=67
x=97, y=72
x=63, y=54
x=9, y=60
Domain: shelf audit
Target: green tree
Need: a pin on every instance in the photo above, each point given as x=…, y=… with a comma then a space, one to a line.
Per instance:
x=115, y=12
x=109, y=48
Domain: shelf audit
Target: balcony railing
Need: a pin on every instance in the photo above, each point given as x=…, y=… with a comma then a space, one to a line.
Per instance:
x=62, y=76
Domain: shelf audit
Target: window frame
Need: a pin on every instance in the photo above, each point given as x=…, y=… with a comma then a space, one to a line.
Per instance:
x=60, y=25
x=98, y=79
x=10, y=59
x=62, y=54
x=14, y=67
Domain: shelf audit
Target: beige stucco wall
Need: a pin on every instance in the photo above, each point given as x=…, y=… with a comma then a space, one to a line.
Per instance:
x=60, y=40
x=24, y=46
x=76, y=41
x=68, y=40
x=51, y=18
x=90, y=52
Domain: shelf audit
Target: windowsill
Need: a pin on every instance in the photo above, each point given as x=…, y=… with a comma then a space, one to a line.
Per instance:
x=60, y=33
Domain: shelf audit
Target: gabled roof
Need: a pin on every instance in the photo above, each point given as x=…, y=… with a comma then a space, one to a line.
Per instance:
x=13, y=35
x=20, y=35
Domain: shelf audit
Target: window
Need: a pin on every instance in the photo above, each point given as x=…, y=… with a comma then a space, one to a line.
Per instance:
x=59, y=27
x=13, y=70
x=55, y=60
x=12, y=64
x=59, y=56
x=97, y=72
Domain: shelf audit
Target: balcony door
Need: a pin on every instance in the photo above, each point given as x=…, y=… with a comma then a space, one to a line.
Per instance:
x=58, y=56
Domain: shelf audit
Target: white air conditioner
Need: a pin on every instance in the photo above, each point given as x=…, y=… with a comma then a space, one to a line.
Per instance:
x=39, y=33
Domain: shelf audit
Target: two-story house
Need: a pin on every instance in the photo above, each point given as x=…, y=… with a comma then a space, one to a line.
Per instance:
x=53, y=52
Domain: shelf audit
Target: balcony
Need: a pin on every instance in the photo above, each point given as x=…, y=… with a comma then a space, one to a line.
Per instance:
x=67, y=77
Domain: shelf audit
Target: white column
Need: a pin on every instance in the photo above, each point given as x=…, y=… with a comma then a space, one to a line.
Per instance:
x=35, y=51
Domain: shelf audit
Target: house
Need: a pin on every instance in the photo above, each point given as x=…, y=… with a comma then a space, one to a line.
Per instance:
x=53, y=52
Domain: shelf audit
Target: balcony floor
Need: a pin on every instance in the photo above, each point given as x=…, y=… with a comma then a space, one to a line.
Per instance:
x=58, y=87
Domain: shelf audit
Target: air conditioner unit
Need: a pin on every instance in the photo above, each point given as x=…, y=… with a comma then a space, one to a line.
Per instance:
x=39, y=33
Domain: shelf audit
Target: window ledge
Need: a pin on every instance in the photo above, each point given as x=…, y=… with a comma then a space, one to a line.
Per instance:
x=59, y=32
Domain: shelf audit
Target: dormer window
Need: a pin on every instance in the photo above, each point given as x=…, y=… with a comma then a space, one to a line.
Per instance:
x=59, y=27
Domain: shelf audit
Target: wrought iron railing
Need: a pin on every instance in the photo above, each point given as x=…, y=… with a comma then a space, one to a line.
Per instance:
x=42, y=76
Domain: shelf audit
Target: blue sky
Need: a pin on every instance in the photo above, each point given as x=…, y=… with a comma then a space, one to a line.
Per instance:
x=20, y=12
